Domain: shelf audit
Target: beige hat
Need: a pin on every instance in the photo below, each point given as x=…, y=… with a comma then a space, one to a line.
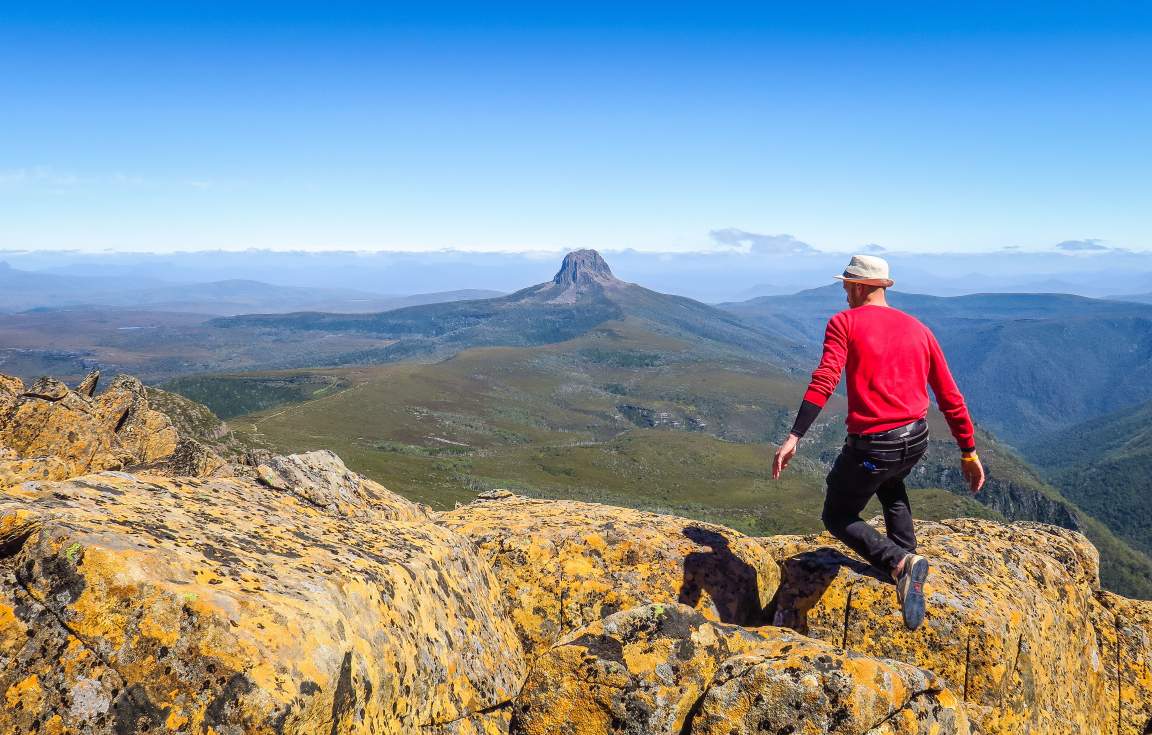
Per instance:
x=867, y=269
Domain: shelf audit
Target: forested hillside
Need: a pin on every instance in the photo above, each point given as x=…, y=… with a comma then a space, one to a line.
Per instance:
x=1105, y=466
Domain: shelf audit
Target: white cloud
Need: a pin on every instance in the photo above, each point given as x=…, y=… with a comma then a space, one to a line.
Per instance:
x=753, y=242
x=1082, y=245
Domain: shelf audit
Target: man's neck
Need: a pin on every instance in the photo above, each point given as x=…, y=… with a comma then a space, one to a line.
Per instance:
x=876, y=298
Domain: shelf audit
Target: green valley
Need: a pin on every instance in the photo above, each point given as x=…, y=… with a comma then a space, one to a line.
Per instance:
x=619, y=415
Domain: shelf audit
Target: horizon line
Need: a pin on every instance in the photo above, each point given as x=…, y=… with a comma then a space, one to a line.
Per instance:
x=550, y=252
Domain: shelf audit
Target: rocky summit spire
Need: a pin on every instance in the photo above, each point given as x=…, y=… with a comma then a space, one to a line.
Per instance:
x=582, y=268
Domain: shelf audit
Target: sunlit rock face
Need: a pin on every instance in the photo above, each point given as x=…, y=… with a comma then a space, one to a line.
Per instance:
x=584, y=268
x=1016, y=623
x=667, y=670
x=138, y=603
x=188, y=595
x=51, y=432
x=321, y=479
x=564, y=564
x=146, y=585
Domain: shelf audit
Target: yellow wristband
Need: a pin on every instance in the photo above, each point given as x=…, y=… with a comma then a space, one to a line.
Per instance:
x=970, y=458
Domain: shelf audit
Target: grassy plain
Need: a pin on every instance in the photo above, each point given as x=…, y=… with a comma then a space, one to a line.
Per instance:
x=621, y=416
x=617, y=417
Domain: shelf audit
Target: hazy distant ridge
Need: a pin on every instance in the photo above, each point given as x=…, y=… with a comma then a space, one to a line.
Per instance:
x=23, y=290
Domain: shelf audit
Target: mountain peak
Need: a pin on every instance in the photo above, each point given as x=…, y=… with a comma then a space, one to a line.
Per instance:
x=582, y=268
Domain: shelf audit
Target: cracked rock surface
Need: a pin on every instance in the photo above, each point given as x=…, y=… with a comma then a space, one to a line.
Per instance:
x=667, y=670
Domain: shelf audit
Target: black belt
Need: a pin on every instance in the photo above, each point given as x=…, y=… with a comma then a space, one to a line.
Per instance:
x=912, y=434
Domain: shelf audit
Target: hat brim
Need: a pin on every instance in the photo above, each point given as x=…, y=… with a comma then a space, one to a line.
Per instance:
x=883, y=282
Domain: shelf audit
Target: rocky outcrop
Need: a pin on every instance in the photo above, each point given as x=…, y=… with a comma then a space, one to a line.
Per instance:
x=148, y=586
x=640, y=671
x=320, y=478
x=135, y=604
x=668, y=670
x=583, y=278
x=583, y=268
x=1016, y=623
x=49, y=432
x=564, y=564
x=802, y=686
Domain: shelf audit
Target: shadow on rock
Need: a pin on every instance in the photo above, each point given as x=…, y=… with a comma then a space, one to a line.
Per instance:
x=805, y=578
x=727, y=579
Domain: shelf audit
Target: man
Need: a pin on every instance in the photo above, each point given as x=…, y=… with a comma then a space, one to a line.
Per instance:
x=890, y=358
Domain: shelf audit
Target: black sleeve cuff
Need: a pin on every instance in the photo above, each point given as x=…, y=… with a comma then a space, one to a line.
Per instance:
x=968, y=449
x=804, y=417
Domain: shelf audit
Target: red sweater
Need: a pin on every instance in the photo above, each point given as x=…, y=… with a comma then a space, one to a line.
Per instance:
x=891, y=357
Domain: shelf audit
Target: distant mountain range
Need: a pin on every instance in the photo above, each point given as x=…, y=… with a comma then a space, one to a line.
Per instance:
x=711, y=275
x=583, y=295
x=1028, y=364
x=24, y=290
x=1143, y=298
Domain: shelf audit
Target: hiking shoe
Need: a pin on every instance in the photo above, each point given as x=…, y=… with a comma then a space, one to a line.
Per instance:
x=910, y=590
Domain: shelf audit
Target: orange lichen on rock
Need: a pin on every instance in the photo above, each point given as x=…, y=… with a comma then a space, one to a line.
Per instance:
x=564, y=564
x=225, y=605
x=50, y=432
x=1015, y=623
x=667, y=670
x=1124, y=638
x=148, y=586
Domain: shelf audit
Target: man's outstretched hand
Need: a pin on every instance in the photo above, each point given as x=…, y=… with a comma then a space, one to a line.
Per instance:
x=974, y=474
x=784, y=455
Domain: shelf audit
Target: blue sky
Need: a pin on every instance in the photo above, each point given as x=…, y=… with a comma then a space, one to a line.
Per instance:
x=166, y=126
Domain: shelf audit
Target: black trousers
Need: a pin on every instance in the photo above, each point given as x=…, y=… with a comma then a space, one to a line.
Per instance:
x=857, y=475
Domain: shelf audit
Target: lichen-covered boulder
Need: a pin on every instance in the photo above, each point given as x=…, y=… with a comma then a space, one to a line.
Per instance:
x=564, y=564
x=50, y=432
x=140, y=603
x=808, y=688
x=322, y=479
x=638, y=672
x=1012, y=621
x=667, y=670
